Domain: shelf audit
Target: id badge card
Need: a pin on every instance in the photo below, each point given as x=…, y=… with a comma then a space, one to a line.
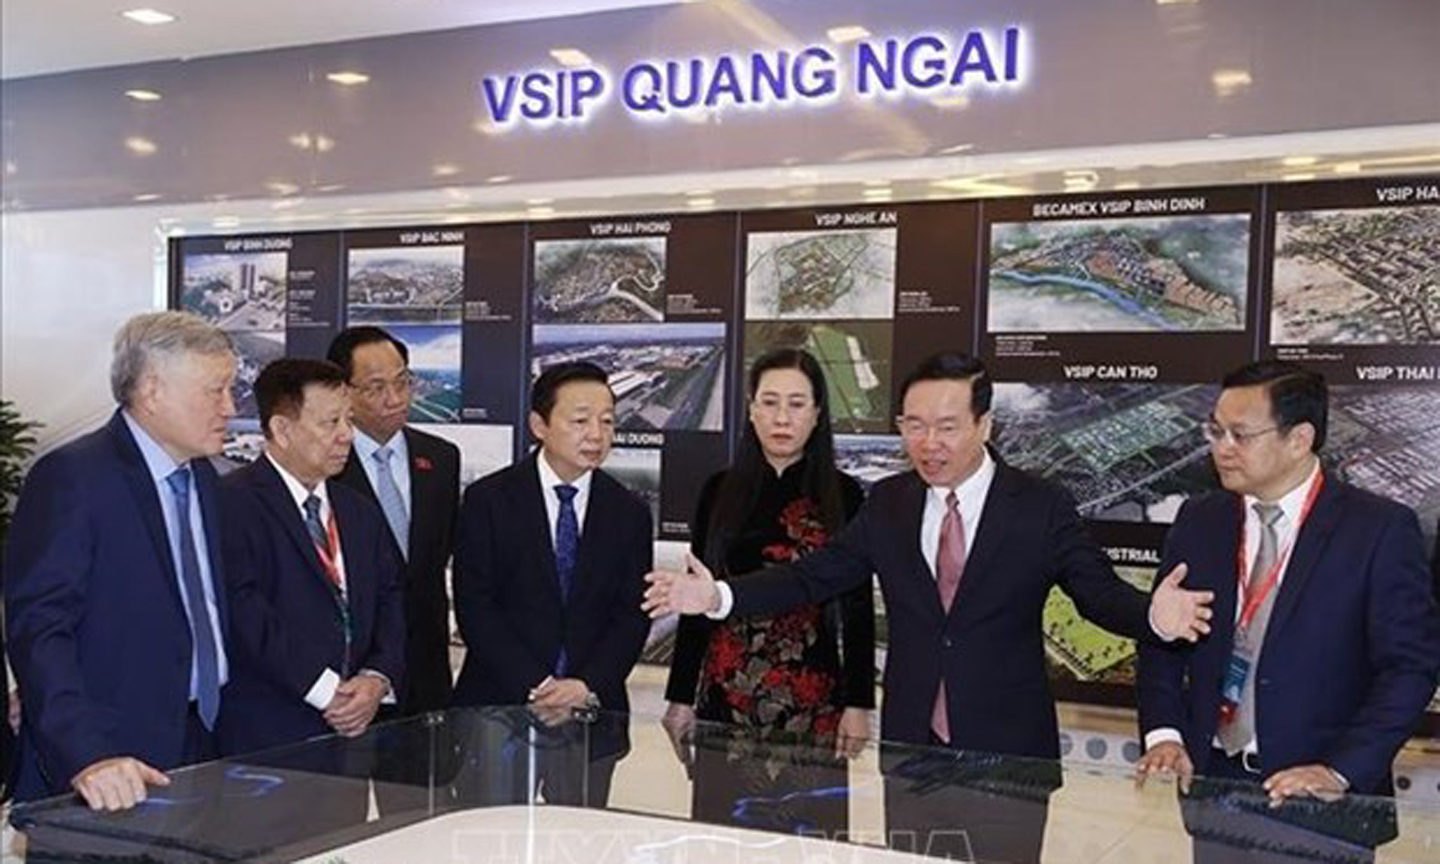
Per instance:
x=1236, y=673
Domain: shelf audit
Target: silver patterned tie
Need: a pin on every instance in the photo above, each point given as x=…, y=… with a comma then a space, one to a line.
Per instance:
x=391, y=502
x=1241, y=731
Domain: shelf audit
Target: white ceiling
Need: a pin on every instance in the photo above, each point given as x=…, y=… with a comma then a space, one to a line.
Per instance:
x=43, y=36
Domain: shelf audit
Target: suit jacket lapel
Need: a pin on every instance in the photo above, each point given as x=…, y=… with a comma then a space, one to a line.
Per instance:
x=356, y=557
x=147, y=501
x=277, y=498
x=530, y=510
x=424, y=484
x=995, y=519
x=1309, y=545
x=210, y=513
x=910, y=521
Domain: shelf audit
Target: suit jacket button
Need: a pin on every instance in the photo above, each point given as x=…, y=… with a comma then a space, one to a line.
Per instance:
x=947, y=642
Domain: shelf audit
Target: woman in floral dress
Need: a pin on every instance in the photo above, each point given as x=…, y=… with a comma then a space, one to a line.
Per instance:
x=794, y=691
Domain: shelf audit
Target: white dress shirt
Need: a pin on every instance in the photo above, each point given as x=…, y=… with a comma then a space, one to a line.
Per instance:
x=365, y=448
x=549, y=480
x=1287, y=528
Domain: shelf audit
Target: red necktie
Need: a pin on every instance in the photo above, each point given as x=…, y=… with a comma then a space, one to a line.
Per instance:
x=949, y=565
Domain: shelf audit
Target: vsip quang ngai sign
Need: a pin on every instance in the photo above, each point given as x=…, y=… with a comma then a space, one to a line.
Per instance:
x=926, y=65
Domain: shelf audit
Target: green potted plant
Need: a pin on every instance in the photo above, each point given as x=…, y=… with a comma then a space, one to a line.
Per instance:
x=16, y=445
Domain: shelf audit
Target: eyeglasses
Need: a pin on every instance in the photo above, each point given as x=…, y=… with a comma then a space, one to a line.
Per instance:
x=399, y=385
x=1217, y=434
x=915, y=428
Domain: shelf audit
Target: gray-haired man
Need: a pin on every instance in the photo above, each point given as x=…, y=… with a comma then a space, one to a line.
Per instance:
x=113, y=597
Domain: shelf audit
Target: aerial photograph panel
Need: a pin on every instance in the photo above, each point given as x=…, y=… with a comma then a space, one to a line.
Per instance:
x=820, y=274
x=1359, y=276
x=1127, y=452
x=236, y=292
x=406, y=285
x=435, y=396
x=1184, y=273
x=599, y=281
x=665, y=376
x=855, y=356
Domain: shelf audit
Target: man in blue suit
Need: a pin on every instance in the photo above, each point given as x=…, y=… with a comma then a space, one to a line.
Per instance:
x=1326, y=638
x=319, y=619
x=114, y=603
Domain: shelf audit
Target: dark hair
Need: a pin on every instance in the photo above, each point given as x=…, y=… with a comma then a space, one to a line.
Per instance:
x=543, y=391
x=820, y=479
x=954, y=366
x=280, y=387
x=342, y=347
x=1297, y=395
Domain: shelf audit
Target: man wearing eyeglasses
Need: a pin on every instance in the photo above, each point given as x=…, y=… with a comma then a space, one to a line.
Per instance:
x=1326, y=642
x=967, y=549
x=415, y=478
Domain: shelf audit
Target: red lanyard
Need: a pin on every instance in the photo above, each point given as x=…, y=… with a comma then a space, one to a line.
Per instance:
x=328, y=556
x=1252, y=601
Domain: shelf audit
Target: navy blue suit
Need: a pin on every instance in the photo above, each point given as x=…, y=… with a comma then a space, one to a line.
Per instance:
x=514, y=622
x=287, y=627
x=1351, y=653
x=98, y=634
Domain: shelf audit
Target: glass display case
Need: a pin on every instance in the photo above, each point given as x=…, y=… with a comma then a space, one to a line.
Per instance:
x=506, y=785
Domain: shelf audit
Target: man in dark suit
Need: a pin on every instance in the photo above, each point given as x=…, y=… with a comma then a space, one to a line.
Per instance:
x=414, y=478
x=1326, y=643
x=549, y=575
x=114, y=599
x=965, y=667
x=314, y=574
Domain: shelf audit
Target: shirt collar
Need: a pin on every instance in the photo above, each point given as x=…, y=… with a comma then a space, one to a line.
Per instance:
x=298, y=491
x=157, y=461
x=365, y=446
x=974, y=485
x=1292, y=502
x=549, y=479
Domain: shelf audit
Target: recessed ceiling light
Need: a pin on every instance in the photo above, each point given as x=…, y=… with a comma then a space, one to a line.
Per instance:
x=572, y=57
x=140, y=146
x=1228, y=81
x=539, y=202
x=499, y=178
x=876, y=184
x=956, y=148
x=148, y=16
x=701, y=203
x=1348, y=168
x=444, y=169
x=1299, y=161
x=1295, y=178
x=346, y=78
x=541, y=211
x=146, y=196
x=847, y=33
x=143, y=95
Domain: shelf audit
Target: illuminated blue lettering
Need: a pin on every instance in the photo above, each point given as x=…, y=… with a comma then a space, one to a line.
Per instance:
x=586, y=86
x=1012, y=53
x=934, y=65
x=674, y=75
x=649, y=98
x=868, y=63
x=974, y=57
x=537, y=104
x=724, y=82
x=773, y=77
x=822, y=81
x=499, y=103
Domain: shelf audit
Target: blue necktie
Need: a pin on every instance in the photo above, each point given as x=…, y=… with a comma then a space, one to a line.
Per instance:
x=314, y=526
x=207, y=659
x=567, y=545
x=391, y=502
